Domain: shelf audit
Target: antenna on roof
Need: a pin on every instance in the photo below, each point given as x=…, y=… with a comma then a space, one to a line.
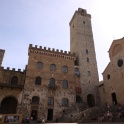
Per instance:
x=114, y=37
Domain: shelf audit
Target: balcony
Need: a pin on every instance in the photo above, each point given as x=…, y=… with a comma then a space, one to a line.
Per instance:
x=52, y=87
x=9, y=85
x=50, y=105
x=77, y=74
x=65, y=105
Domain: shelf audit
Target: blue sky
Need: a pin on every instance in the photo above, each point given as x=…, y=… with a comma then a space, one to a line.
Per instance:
x=46, y=23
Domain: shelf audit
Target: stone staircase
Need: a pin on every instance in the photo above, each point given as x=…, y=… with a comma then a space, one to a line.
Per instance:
x=70, y=114
x=82, y=114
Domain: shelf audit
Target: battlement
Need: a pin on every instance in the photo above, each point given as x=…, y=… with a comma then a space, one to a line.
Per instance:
x=82, y=12
x=49, y=51
x=13, y=69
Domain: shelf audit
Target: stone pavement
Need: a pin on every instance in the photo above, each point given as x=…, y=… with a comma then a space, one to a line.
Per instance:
x=82, y=123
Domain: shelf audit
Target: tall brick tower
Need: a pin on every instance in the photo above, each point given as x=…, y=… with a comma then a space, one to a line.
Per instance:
x=82, y=43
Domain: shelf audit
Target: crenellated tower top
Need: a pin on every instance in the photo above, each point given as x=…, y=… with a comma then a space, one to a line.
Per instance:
x=51, y=52
x=82, y=12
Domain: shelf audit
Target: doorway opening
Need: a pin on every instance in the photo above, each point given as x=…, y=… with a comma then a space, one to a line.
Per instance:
x=50, y=115
x=34, y=114
x=114, y=99
x=90, y=100
x=78, y=99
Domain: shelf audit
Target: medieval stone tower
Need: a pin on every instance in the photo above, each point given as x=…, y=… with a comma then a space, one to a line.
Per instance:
x=82, y=43
x=1, y=55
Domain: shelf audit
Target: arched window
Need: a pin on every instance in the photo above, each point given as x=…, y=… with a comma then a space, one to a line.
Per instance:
x=87, y=59
x=14, y=80
x=64, y=84
x=52, y=67
x=65, y=69
x=86, y=51
x=35, y=100
x=39, y=65
x=76, y=71
x=65, y=102
x=50, y=100
x=52, y=82
x=38, y=80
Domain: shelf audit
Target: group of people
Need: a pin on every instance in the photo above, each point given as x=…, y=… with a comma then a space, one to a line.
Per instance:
x=109, y=116
x=39, y=120
x=120, y=112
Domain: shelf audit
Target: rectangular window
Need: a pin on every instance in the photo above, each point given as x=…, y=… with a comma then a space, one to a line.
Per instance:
x=64, y=102
x=39, y=65
x=50, y=101
x=64, y=84
x=52, y=82
x=65, y=69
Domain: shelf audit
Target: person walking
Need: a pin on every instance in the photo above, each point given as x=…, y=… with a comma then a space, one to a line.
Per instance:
x=43, y=120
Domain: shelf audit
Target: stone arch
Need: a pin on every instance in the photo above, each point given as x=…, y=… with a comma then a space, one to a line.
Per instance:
x=78, y=99
x=8, y=105
x=90, y=100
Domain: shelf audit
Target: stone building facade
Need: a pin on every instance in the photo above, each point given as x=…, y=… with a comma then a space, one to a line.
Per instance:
x=54, y=80
x=11, y=89
x=50, y=82
x=113, y=79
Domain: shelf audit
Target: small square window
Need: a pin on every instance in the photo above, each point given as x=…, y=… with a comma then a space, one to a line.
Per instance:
x=64, y=102
x=83, y=22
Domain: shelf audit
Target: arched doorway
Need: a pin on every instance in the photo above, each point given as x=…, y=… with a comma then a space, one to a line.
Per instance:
x=8, y=106
x=78, y=99
x=90, y=100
